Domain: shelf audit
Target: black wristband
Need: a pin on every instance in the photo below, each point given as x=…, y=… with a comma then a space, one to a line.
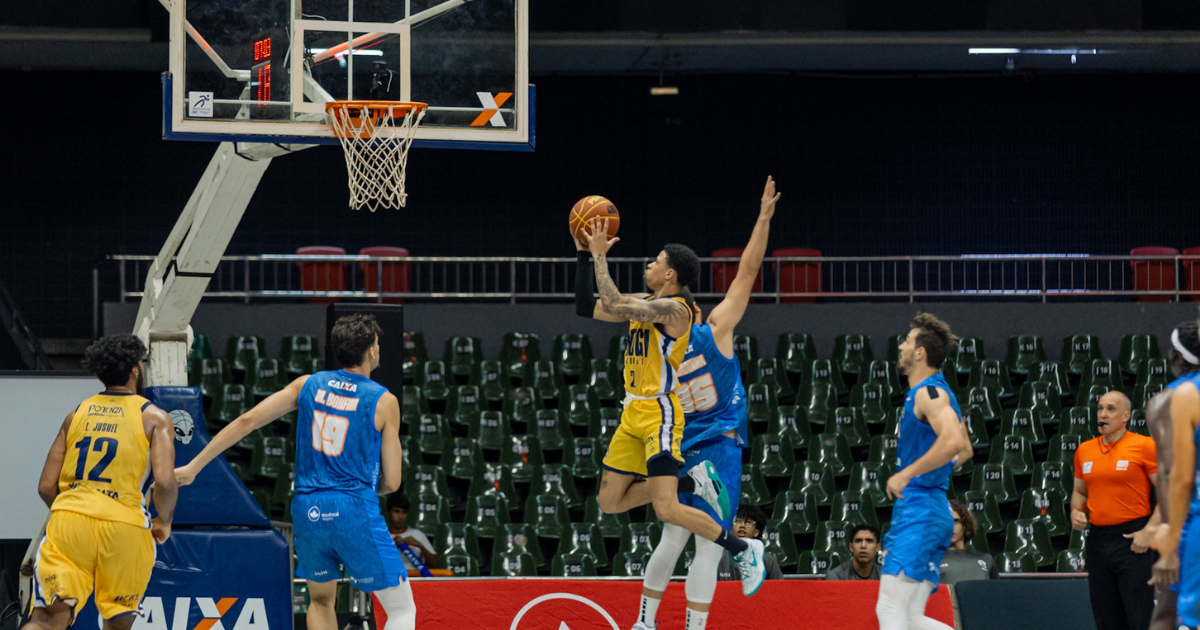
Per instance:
x=585, y=293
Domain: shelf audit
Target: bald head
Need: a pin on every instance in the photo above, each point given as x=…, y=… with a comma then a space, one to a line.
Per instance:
x=1112, y=413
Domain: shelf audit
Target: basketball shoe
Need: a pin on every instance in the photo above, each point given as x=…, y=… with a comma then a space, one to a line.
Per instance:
x=750, y=563
x=710, y=488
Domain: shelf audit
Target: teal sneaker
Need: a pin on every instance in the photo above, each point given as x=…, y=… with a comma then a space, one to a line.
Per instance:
x=710, y=488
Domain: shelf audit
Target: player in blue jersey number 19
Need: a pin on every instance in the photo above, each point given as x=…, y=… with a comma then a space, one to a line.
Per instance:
x=348, y=428
x=715, y=432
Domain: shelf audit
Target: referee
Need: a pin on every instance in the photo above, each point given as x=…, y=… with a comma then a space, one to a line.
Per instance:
x=1113, y=476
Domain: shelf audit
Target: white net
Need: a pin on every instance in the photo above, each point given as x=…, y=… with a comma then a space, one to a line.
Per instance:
x=376, y=139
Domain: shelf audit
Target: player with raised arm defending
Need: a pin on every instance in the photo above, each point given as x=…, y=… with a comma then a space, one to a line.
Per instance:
x=932, y=438
x=347, y=427
x=648, y=441
x=100, y=536
x=714, y=434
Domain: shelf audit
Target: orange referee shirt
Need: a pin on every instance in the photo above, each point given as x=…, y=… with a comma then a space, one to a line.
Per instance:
x=1117, y=477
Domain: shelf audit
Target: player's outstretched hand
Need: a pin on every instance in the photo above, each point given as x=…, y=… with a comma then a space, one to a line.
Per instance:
x=597, y=237
x=160, y=530
x=767, y=209
x=184, y=475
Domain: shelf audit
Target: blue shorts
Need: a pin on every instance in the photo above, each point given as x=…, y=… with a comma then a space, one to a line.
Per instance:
x=335, y=530
x=921, y=531
x=726, y=456
x=1187, y=607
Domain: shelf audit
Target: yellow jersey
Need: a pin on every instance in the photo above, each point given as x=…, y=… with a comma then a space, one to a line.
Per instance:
x=106, y=472
x=652, y=357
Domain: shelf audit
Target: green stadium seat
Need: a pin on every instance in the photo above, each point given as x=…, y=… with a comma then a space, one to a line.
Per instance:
x=789, y=421
x=461, y=565
x=551, y=431
x=429, y=511
x=1077, y=421
x=556, y=479
x=573, y=354
x=798, y=510
x=519, y=538
x=1054, y=373
x=410, y=456
x=1062, y=449
x=1090, y=396
x=766, y=372
x=464, y=406
x=435, y=384
x=745, y=348
x=1143, y=393
x=608, y=391
x=1053, y=477
x=462, y=458
x=992, y=375
x=760, y=403
x=584, y=538
x=874, y=399
x=610, y=525
x=242, y=353
x=1137, y=422
x=616, y=350
x=1078, y=352
x=548, y=514
x=754, y=486
x=778, y=539
x=517, y=351
x=233, y=403
x=871, y=480
x=1024, y=353
x=853, y=508
x=415, y=356
x=431, y=432
x=983, y=398
x=492, y=382
x=1079, y=539
x=817, y=401
x=1023, y=422
x=831, y=449
x=640, y=538
x=1029, y=537
x=773, y=455
x=976, y=427
x=513, y=564
x=950, y=373
x=883, y=450
x=849, y=423
x=495, y=479
x=1014, y=452
x=1152, y=371
x=543, y=376
x=985, y=509
x=1135, y=350
x=522, y=454
x=893, y=348
x=814, y=479
x=1071, y=561
x=268, y=457
x=885, y=373
x=284, y=489
x=209, y=375
x=1044, y=399
x=584, y=458
x=795, y=352
x=996, y=480
x=578, y=405
x=605, y=425
x=852, y=353
x=201, y=349
x=486, y=514
x=412, y=403
x=818, y=562
x=461, y=354
x=1100, y=372
x=630, y=564
x=574, y=565
x=979, y=544
x=1008, y=562
x=491, y=430
x=1046, y=506
x=833, y=536
x=521, y=405
x=970, y=351
x=430, y=479
x=454, y=539
x=264, y=378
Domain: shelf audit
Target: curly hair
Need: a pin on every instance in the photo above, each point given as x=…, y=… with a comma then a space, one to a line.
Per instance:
x=686, y=265
x=352, y=336
x=934, y=335
x=968, y=521
x=754, y=513
x=111, y=359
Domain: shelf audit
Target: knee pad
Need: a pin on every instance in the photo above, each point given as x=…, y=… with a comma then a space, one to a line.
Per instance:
x=662, y=561
x=702, y=577
x=398, y=603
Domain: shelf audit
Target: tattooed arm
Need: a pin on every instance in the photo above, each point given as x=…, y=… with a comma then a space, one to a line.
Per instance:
x=669, y=312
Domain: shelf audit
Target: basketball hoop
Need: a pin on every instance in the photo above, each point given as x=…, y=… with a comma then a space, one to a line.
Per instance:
x=376, y=137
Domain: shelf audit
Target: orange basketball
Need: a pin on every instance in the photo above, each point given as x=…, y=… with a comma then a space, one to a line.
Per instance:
x=593, y=207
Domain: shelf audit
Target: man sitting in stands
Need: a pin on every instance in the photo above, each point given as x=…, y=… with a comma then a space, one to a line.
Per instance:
x=864, y=556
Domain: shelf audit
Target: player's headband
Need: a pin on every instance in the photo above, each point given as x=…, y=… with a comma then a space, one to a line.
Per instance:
x=1183, y=352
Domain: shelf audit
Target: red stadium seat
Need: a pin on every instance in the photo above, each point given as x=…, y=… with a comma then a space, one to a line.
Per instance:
x=723, y=273
x=1153, y=275
x=389, y=277
x=798, y=277
x=322, y=276
x=1191, y=272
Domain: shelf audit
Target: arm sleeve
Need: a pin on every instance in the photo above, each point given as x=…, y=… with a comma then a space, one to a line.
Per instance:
x=585, y=292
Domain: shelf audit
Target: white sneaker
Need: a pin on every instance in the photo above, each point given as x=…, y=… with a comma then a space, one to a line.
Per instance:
x=750, y=563
x=641, y=626
x=710, y=488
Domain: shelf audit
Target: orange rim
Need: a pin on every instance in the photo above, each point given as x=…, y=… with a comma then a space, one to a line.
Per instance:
x=375, y=110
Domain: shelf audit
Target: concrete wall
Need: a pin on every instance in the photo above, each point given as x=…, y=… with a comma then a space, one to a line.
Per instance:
x=993, y=322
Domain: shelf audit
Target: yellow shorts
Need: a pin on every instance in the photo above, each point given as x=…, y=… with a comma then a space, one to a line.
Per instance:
x=81, y=553
x=648, y=428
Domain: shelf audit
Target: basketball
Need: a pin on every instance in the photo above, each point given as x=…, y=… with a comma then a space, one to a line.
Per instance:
x=593, y=207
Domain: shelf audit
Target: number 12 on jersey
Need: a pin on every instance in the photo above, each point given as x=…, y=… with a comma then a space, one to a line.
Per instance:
x=329, y=433
x=698, y=394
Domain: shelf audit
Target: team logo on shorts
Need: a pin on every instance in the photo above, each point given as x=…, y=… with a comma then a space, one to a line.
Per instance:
x=314, y=514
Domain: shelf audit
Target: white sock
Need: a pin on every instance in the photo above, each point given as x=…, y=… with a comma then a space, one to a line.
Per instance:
x=696, y=619
x=397, y=602
x=649, y=611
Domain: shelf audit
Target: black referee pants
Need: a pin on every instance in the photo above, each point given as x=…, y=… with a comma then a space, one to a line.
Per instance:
x=1121, y=598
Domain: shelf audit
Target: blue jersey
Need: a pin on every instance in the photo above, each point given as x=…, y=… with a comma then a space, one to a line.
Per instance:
x=710, y=391
x=917, y=437
x=1194, y=379
x=337, y=444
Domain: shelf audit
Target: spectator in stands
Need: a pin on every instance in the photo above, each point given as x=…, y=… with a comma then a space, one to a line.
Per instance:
x=864, y=556
x=959, y=563
x=749, y=523
x=417, y=541
x=1113, y=476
